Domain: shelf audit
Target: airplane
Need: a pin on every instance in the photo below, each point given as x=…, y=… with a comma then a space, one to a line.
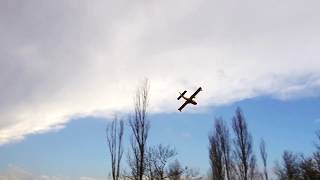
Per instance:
x=188, y=100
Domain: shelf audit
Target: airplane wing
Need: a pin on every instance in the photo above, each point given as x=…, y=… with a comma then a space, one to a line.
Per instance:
x=183, y=105
x=195, y=93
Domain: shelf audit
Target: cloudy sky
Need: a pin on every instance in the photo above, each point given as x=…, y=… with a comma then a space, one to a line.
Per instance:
x=65, y=60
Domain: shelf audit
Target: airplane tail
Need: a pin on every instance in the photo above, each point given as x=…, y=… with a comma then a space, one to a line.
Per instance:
x=181, y=94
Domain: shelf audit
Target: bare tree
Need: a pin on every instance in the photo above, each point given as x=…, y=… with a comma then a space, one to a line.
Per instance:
x=157, y=159
x=316, y=156
x=191, y=173
x=139, y=126
x=216, y=159
x=133, y=160
x=224, y=136
x=174, y=171
x=264, y=157
x=219, y=151
x=289, y=169
x=242, y=145
x=308, y=167
x=150, y=170
x=253, y=171
x=114, y=133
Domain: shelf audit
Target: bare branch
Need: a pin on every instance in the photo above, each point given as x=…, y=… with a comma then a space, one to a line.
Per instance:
x=139, y=126
x=114, y=133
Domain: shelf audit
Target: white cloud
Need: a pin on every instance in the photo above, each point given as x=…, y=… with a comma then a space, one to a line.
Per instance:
x=15, y=173
x=87, y=178
x=18, y=173
x=62, y=59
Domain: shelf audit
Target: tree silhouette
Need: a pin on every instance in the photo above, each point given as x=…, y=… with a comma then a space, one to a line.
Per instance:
x=139, y=126
x=174, y=171
x=220, y=151
x=242, y=146
x=114, y=133
x=289, y=169
x=264, y=156
x=157, y=159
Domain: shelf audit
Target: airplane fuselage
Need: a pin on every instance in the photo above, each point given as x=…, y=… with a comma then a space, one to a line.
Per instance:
x=190, y=100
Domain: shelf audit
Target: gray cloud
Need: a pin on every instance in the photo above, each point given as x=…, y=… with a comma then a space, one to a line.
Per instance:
x=60, y=59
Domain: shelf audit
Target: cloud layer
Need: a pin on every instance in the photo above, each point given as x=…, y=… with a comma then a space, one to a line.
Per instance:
x=63, y=59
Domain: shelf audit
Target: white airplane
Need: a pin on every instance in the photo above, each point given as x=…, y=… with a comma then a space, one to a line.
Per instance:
x=190, y=99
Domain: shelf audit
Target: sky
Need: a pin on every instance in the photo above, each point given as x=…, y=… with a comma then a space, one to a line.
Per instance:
x=69, y=65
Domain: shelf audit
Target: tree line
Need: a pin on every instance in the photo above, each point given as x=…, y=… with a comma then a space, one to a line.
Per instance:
x=230, y=153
